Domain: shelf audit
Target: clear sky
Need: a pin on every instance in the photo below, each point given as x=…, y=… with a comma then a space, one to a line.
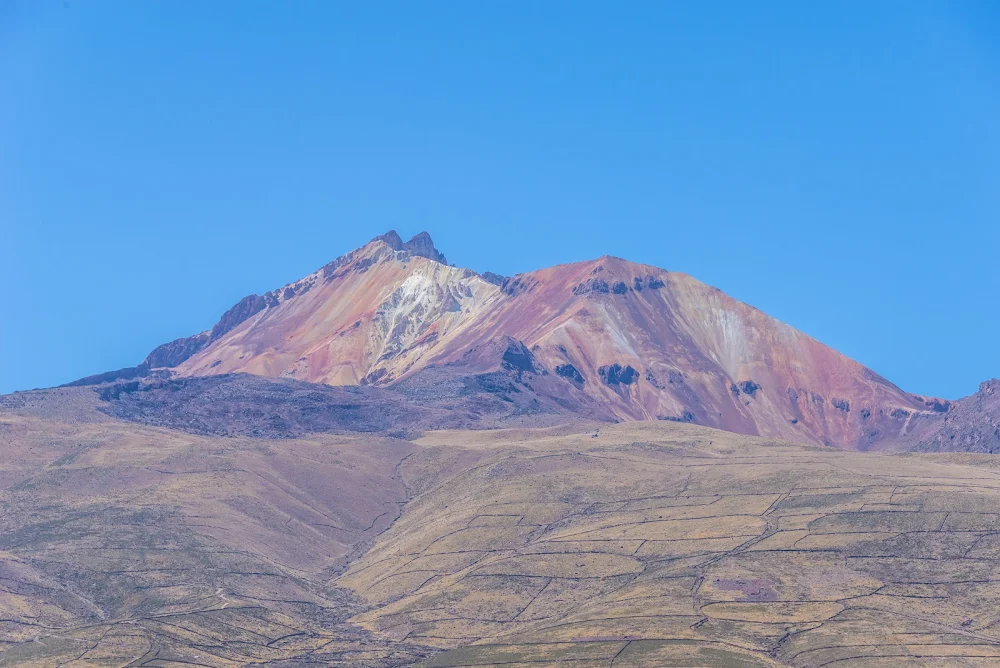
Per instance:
x=835, y=164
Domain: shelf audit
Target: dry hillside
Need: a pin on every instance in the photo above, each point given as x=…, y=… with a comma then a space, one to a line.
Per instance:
x=638, y=544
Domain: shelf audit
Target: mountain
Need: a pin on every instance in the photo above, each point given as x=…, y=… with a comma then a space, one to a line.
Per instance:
x=971, y=424
x=605, y=338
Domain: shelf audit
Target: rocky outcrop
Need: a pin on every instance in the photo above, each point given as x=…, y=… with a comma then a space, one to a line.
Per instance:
x=747, y=387
x=616, y=374
x=244, y=308
x=841, y=404
x=421, y=245
x=494, y=278
x=517, y=285
x=174, y=353
x=517, y=357
x=571, y=372
x=971, y=424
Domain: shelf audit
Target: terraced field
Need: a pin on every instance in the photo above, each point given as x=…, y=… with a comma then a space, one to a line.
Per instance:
x=673, y=545
x=642, y=544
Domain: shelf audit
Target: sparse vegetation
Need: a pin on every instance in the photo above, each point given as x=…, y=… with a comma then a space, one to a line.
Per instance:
x=653, y=544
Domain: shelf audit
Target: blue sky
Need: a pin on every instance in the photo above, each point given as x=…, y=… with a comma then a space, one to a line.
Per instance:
x=836, y=165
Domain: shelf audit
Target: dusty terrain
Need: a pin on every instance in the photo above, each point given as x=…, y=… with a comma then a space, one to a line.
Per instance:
x=130, y=545
x=645, y=543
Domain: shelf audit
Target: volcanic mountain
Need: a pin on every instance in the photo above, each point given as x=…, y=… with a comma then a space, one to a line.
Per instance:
x=606, y=338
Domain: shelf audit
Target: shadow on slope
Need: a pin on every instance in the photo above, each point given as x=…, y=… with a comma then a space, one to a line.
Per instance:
x=257, y=407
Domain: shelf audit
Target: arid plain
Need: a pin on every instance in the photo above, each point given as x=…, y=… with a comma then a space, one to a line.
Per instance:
x=587, y=544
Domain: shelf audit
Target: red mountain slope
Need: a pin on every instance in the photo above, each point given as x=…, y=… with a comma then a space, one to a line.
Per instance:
x=606, y=338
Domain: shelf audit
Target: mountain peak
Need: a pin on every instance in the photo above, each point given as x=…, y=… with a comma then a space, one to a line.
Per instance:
x=606, y=338
x=420, y=244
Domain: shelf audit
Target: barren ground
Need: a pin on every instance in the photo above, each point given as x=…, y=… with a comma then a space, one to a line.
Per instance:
x=658, y=544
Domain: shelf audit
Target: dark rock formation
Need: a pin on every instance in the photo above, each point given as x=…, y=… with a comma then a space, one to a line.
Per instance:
x=570, y=371
x=518, y=358
x=938, y=405
x=494, y=278
x=257, y=407
x=614, y=374
x=517, y=285
x=971, y=424
x=686, y=416
x=598, y=285
x=111, y=376
x=841, y=404
x=177, y=351
x=247, y=307
x=421, y=244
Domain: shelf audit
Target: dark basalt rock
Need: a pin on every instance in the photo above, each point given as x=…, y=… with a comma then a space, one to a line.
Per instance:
x=257, y=407
x=651, y=282
x=938, y=405
x=841, y=404
x=517, y=285
x=494, y=278
x=391, y=239
x=330, y=268
x=866, y=413
x=619, y=288
x=614, y=374
x=421, y=244
x=127, y=373
x=177, y=351
x=686, y=416
x=748, y=387
x=653, y=380
x=518, y=358
x=570, y=371
x=899, y=413
x=598, y=285
x=244, y=309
